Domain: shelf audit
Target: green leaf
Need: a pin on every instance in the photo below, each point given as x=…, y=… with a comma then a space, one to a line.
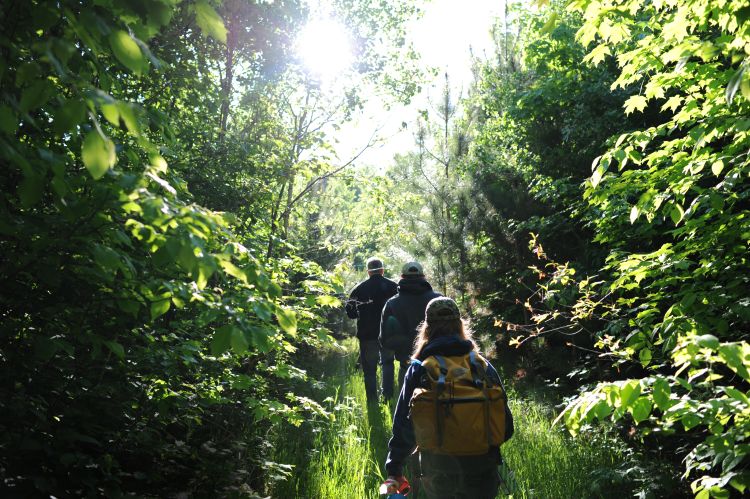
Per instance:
x=719, y=493
x=596, y=177
x=204, y=269
x=261, y=339
x=209, y=21
x=8, y=120
x=98, y=154
x=629, y=392
x=116, y=348
x=736, y=358
x=111, y=113
x=635, y=102
x=238, y=341
x=31, y=190
x=734, y=84
x=287, y=320
x=127, y=51
x=262, y=310
x=160, y=307
x=106, y=257
x=36, y=95
x=130, y=306
x=708, y=341
x=328, y=301
x=550, y=24
x=597, y=55
x=676, y=214
x=220, y=343
x=641, y=409
x=690, y=421
x=69, y=115
x=645, y=356
x=737, y=395
x=234, y=270
x=128, y=115
x=740, y=482
x=601, y=410
x=717, y=167
x=661, y=392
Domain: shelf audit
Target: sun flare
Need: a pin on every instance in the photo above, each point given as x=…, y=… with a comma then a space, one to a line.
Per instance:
x=324, y=48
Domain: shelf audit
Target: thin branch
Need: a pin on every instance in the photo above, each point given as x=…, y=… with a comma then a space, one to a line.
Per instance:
x=331, y=173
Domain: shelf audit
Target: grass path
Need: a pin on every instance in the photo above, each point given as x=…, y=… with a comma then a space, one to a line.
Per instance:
x=343, y=458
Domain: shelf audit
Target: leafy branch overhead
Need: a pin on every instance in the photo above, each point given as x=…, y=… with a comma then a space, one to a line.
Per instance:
x=670, y=202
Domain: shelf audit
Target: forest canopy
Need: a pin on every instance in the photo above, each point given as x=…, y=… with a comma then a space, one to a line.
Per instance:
x=179, y=232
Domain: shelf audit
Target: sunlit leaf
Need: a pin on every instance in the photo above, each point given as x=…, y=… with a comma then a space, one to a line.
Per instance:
x=209, y=21
x=287, y=320
x=550, y=24
x=629, y=392
x=734, y=84
x=635, y=103
x=127, y=51
x=641, y=409
x=661, y=394
x=98, y=154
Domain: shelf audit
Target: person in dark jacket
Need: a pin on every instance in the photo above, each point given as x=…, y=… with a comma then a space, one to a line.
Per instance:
x=398, y=326
x=365, y=304
x=443, y=476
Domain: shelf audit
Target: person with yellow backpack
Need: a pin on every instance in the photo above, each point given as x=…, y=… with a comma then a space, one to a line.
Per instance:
x=453, y=410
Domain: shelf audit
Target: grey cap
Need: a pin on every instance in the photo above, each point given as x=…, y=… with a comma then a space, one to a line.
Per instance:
x=412, y=269
x=374, y=264
x=441, y=308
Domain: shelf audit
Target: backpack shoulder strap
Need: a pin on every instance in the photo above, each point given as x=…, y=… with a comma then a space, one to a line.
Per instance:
x=478, y=374
x=443, y=372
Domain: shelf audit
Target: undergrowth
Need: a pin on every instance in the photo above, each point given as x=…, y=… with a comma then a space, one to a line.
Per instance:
x=343, y=456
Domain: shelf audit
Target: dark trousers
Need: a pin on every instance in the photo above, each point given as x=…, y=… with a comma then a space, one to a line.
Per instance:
x=387, y=358
x=470, y=479
x=369, y=356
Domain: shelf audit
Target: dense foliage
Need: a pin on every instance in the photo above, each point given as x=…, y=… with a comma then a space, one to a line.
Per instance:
x=149, y=335
x=670, y=202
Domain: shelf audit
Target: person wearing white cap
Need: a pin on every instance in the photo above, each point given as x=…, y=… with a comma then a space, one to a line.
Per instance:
x=365, y=304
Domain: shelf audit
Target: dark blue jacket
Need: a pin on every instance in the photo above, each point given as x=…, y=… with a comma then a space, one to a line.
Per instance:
x=402, y=443
x=403, y=313
x=366, y=304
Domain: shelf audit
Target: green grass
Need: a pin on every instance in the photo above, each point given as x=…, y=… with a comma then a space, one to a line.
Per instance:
x=343, y=458
x=548, y=463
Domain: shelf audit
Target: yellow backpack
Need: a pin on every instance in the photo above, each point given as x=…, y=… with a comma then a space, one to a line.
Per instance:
x=461, y=412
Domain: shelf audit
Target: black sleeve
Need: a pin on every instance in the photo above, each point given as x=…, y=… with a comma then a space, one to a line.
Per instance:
x=403, y=442
x=351, y=304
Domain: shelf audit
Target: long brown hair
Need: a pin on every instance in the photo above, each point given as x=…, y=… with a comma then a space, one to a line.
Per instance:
x=427, y=332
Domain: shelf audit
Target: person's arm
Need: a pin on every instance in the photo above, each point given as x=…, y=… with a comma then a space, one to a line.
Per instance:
x=509, y=427
x=402, y=443
x=351, y=304
x=388, y=322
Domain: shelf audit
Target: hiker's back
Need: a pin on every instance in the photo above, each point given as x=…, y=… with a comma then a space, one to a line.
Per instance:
x=458, y=410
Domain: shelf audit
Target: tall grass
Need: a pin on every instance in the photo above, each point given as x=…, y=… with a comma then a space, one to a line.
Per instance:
x=343, y=457
x=548, y=463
